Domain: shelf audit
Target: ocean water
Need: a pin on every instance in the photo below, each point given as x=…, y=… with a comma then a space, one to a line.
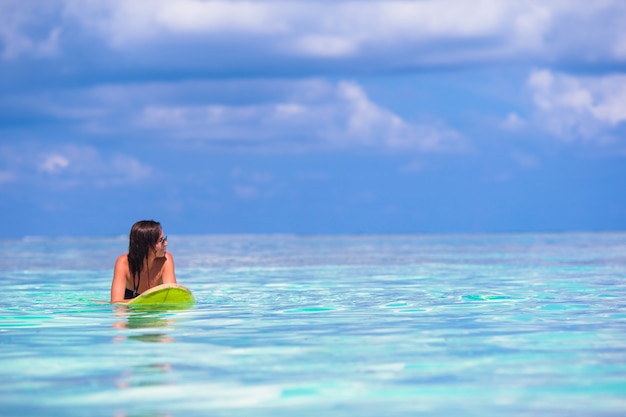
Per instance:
x=471, y=325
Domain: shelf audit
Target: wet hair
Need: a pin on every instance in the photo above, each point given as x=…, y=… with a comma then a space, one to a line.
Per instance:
x=143, y=236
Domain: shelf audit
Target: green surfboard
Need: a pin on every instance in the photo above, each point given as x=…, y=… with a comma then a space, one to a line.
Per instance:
x=165, y=296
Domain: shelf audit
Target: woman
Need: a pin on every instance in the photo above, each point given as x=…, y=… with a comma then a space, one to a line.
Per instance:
x=146, y=264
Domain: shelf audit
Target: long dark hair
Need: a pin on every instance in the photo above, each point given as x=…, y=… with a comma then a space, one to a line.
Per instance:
x=143, y=236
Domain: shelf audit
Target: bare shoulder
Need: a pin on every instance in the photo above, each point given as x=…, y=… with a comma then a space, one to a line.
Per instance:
x=121, y=265
x=167, y=261
x=168, y=275
x=122, y=260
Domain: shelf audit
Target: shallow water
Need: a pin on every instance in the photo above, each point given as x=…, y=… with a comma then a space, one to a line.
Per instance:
x=484, y=325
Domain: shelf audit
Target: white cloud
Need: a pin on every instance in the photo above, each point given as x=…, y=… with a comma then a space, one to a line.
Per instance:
x=338, y=28
x=228, y=16
x=368, y=34
x=513, y=121
x=128, y=169
x=314, y=115
x=69, y=166
x=125, y=23
x=85, y=165
x=410, y=31
x=53, y=163
x=390, y=19
x=367, y=124
x=324, y=45
x=579, y=107
x=20, y=31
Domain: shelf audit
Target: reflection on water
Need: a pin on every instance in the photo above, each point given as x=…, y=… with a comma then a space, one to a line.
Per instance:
x=134, y=319
x=143, y=376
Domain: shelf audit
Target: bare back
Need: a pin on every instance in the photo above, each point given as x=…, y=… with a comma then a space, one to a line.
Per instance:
x=159, y=271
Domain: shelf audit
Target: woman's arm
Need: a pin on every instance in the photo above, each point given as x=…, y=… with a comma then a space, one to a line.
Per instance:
x=118, y=286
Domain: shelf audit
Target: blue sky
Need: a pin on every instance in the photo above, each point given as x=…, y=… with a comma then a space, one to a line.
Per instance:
x=310, y=117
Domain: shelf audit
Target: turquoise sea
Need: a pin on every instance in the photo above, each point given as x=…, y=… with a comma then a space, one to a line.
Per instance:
x=424, y=325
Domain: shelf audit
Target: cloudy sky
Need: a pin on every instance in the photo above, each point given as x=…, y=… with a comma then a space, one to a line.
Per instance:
x=327, y=116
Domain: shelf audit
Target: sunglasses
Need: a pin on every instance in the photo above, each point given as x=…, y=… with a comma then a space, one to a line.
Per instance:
x=163, y=240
